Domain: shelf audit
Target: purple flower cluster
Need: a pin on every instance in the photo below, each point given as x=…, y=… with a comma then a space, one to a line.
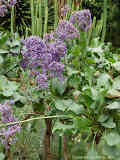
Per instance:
x=82, y=19
x=65, y=10
x=43, y=58
x=66, y=31
x=5, y=5
x=7, y=135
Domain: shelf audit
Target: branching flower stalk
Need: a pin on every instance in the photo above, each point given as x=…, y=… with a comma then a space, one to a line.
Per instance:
x=46, y=16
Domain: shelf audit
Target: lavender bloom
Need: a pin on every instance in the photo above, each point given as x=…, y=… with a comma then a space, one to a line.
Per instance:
x=8, y=134
x=65, y=10
x=57, y=49
x=3, y=10
x=5, y=5
x=56, y=69
x=39, y=56
x=66, y=31
x=82, y=19
x=11, y=3
x=48, y=37
x=42, y=81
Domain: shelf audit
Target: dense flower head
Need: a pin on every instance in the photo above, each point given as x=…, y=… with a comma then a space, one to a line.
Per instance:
x=7, y=135
x=57, y=49
x=82, y=19
x=5, y=5
x=39, y=56
x=65, y=10
x=66, y=31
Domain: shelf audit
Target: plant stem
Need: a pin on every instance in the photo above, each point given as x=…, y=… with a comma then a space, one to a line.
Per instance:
x=104, y=21
x=12, y=20
x=60, y=148
x=46, y=16
x=39, y=28
x=65, y=155
x=32, y=17
x=55, y=13
x=48, y=133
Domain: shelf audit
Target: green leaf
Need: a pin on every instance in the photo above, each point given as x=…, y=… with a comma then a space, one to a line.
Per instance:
x=62, y=127
x=60, y=105
x=7, y=88
x=116, y=66
x=104, y=80
x=114, y=105
x=116, y=83
x=82, y=123
x=111, y=151
x=2, y=156
x=69, y=105
x=3, y=51
x=92, y=154
x=102, y=118
x=109, y=123
x=1, y=60
x=70, y=71
x=112, y=138
x=58, y=86
x=76, y=50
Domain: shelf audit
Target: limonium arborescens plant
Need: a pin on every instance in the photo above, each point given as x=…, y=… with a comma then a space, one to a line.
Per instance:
x=7, y=135
x=43, y=56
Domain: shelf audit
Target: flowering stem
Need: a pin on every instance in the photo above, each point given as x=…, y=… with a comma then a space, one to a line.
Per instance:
x=32, y=17
x=39, y=22
x=55, y=14
x=36, y=118
x=12, y=20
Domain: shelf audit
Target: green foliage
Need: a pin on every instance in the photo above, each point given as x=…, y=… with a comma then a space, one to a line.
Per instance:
x=85, y=108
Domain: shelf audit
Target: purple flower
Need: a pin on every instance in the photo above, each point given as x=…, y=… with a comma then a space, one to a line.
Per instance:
x=12, y=3
x=82, y=19
x=65, y=10
x=5, y=5
x=57, y=49
x=48, y=37
x=42, y=81
x=56, y=69
x=39, y=56
x=8, y=134
x=3, y=10
x=66, y=31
